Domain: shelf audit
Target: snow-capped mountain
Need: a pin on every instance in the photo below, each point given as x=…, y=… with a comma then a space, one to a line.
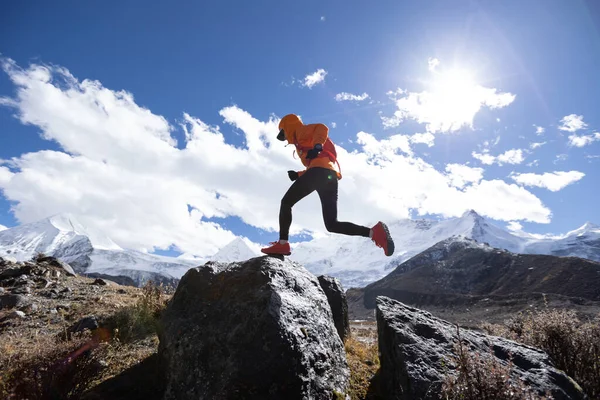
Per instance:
x=356, y=261
x=237, y=250
x=49, y=235
x=87, y=251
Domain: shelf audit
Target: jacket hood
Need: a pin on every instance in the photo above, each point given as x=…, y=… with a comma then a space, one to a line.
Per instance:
x=289, y=124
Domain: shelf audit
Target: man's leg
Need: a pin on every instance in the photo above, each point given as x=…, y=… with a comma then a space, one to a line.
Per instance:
x=328, y=193
x=302, y=187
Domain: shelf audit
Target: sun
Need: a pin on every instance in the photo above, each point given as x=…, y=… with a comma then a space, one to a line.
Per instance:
x=454, y=81
x=454, y=98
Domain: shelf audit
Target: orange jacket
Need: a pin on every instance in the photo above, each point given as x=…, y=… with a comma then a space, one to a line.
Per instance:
x=307, y=136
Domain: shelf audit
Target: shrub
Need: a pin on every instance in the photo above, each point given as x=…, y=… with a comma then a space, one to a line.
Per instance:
x=482, y=378
x=572, y=345
x=141, y=319
x=363, y=361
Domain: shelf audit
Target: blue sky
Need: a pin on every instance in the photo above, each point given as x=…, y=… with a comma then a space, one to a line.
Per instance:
x=536, y=60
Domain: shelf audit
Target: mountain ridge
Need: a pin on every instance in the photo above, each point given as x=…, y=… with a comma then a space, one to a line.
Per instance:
x=355, y=261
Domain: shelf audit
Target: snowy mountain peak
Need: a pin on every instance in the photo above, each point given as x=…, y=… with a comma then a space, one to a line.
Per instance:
x=472, y=214
x=236, y=250
x=67, y=222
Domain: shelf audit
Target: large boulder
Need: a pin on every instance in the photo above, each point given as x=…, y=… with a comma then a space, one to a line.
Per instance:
x=416, y=352
x=337, y=301
x=261, y=329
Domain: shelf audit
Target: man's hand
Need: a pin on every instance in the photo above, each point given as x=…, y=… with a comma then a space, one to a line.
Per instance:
x=293, y=175
x=314, y=152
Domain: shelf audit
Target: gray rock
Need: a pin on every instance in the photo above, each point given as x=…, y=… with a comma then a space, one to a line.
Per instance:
x=260, y=329
x=90, y=323
x=2, y=291
x=10, y=273
x=100, y=282
x=22, y=290
x=416, y=351
x=13, y=300
x=16, y=315
x=337, y=300
x=55, y=262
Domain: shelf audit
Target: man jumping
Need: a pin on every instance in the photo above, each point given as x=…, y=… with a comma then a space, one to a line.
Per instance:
x=318, y=155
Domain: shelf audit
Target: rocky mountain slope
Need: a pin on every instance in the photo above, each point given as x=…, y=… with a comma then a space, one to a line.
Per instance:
x=357, y=262
x=460, y=274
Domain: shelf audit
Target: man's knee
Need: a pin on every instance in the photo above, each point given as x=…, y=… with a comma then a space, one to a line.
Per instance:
x=331, y=225
x=287, y=202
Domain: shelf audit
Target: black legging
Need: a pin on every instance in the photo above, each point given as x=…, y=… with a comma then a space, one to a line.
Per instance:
x=325, y=182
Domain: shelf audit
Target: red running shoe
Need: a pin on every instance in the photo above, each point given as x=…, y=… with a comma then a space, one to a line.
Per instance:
x=382, y=238
x=277, y=248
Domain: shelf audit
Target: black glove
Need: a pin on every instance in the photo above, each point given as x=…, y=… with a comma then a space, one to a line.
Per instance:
x=314, y=152
x=293, y=175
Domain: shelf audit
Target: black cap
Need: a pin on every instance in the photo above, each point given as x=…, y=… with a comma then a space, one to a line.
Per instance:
x=281, y=135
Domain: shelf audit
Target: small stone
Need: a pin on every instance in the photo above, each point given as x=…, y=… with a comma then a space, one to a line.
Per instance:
x=22, y=290
x=53, y=311
x=16, y=315
x=13, y=300
x=2, y=290
x=100, y=282
x=84, y=323
x=55, y=274
x=10, y=273
x=66, y=290
x=63, y=307
x=121, y=291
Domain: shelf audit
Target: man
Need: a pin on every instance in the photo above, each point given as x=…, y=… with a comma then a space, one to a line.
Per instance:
x=317, y=154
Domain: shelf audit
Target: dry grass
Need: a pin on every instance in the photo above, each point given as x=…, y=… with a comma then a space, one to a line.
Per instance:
x=44, y=363
x=363, y=361
x=141, y=319
x=482, y=378
x=573, y=345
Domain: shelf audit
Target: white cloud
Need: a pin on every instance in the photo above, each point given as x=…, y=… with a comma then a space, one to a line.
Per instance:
x=560, y=158
x=351, y=97
x=536, y=145
x=485, y=158
x=450, y=105
x=322, y=18
x=3, y=228
x=433, y=63
x=461, y=175
x=583, y=140
x=5, y=175
x=513, y=156
x=514, y=226
x=334, y=125
x=539, y=130
x=572, y=123
x=316, y=77
x=534, y=163
x=119, y=169
x=424, y=138
x=553, y=181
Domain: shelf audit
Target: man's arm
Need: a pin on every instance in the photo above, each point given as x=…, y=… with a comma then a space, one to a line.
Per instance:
x=320, y=134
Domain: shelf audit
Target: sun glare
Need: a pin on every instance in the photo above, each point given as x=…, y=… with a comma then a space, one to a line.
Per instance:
x=453, y=82
x=454, y=98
